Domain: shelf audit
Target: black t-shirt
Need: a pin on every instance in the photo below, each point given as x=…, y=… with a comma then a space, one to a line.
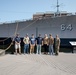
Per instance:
x=39, y=40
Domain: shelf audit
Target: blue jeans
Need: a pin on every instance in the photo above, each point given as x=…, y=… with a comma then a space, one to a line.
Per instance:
x=38, y=51
x=51, y=50
x=26, y=48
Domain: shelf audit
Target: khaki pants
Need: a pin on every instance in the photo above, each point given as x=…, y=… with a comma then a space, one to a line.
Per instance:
x=17, y=47
x=32, y=48
x=56, y=50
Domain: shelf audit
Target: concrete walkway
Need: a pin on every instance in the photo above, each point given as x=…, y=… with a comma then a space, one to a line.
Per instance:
x=2, y=52
x=33, y=64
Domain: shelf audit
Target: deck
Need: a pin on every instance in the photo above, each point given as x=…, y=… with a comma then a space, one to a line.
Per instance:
x=34, y=64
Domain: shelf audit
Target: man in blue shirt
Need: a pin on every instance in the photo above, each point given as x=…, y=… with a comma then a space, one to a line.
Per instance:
x=17, y=43
x=32, y=44
x=38, y=44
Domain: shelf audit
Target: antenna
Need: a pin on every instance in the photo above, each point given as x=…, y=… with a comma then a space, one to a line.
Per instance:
x=58, y=6
x=57, y=12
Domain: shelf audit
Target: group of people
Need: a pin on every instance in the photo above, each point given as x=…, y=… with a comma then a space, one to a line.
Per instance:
x=31, y=42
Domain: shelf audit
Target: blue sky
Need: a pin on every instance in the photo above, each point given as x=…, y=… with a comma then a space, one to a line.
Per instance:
x=11, y=10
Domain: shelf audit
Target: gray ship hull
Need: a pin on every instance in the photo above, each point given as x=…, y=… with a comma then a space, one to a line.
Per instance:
x=65, y=27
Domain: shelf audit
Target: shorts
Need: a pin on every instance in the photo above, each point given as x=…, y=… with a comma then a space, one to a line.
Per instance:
x=17, y=46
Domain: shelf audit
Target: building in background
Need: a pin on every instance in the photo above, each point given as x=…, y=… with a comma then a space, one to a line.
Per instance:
x=49, y=15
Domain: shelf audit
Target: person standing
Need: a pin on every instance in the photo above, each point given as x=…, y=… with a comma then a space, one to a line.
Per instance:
x=57, y=45
x=26, y=44
x=32, y=43
x=38, y=44
x=51, y=42
x=17, y=44
x=45, y=44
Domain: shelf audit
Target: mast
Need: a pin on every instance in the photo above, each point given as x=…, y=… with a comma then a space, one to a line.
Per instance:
x=57, y=6
x=57, y=12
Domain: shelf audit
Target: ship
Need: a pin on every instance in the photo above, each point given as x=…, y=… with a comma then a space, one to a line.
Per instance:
x=64, y=26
